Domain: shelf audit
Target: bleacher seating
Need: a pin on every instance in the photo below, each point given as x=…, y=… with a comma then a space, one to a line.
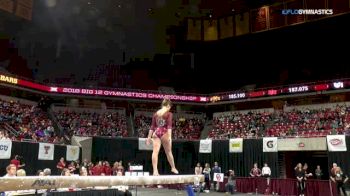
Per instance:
x=26, y=122
x=297, y=121
x=92, y=122
x=241, y=124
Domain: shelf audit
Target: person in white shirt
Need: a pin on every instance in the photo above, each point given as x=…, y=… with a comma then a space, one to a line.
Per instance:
x=266, y=172
x=11, y=171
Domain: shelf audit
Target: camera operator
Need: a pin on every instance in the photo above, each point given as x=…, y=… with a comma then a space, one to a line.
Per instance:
x=18, y=162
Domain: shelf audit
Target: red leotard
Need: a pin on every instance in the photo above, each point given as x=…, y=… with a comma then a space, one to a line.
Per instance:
x=161, y=124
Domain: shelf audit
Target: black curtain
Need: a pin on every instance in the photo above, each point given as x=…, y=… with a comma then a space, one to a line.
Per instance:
x=29, y=152
x=341, y=158
x=186, y=155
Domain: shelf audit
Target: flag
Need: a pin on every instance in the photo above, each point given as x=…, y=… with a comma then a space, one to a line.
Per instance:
x=336, y=143
x=5, y=149
x=270, y=144
x=73, y=153
x=46, y=151
x=205, y=146
x=236, y=145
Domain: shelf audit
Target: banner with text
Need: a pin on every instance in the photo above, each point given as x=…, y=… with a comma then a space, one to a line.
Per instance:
x=336, y=143
x=270, y=144
x=5, y=149
x=236, y=145
x=72, y=153
x=143, y=145
x=205, y=146
x=46, y=151
x=302, y=144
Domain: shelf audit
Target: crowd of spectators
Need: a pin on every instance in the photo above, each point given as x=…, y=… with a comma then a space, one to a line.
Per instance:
x=92, y=123
x=310, y=122
x=27, y=123
x=302, y=122
x=239, y=125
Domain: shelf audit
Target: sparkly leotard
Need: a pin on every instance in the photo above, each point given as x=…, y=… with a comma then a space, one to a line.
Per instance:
x=161, y=124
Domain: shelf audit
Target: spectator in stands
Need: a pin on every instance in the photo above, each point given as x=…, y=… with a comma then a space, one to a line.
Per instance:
x=115, y=168
x=231, y=183
x=216, y=169
x=318, y=172
x=300, y=176
x=40, y=173
x=65, y=172
x=90, y=169
x=17, y=162
x=119, y=167
x=2, y=135
x=61, y=165
x=83, y=171
x=340, y=179
x=198, y=170
x=11, y=170
x=255, y=171
x=47, y=172
x=107, y=169
x=21, y=172
x=72, y=168
x=97, y=170
x=207, y=172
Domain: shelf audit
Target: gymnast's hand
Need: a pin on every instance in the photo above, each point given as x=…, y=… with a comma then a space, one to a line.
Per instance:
x=148, y=141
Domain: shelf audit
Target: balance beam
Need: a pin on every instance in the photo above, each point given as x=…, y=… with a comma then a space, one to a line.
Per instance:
x=56, y=182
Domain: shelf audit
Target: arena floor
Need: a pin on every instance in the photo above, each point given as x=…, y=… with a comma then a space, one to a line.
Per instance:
x=169, y=192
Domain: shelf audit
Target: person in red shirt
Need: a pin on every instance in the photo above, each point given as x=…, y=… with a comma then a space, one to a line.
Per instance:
x=107, y=169
x=15, y=161
x=72, y=168
x=98, y=169
x=61, y=165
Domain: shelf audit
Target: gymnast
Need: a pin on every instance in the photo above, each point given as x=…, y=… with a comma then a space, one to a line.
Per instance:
x=160, y=134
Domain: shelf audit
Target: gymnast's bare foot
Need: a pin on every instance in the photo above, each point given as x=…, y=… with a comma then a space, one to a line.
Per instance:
x=155, y=173
x=174, y=170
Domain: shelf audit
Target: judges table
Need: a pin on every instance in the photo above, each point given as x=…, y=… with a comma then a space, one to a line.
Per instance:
x=282, y=186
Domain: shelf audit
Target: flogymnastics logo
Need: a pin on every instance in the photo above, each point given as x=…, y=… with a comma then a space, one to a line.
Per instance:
x=307, y=11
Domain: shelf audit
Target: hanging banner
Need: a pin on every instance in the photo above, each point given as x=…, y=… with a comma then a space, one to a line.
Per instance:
x=143, y=146
x=270, y=144
x=336, y=143
x=46, y=151
x=73, y=153
x=302, y=144
x=205, y=146
x=236, y=145
x=5, y=149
